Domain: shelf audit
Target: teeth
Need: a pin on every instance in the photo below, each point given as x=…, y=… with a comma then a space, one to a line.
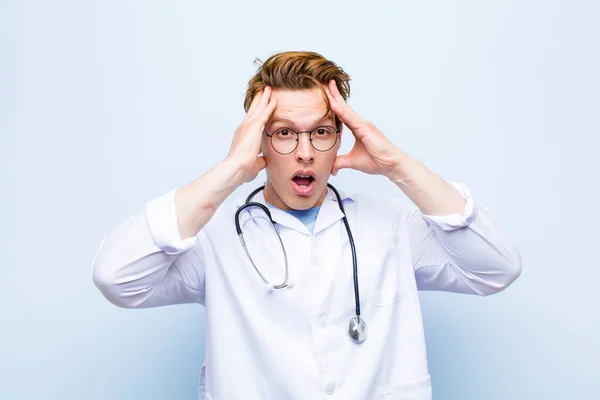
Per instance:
x=303, y=176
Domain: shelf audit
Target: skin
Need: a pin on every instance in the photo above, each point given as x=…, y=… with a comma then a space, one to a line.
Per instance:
x=300, y=110
x=372, y=153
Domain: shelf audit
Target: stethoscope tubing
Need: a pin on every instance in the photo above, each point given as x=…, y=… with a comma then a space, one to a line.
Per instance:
x=355, y=321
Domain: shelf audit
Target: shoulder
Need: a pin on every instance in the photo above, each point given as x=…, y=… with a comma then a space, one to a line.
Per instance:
x=377, y=204
x=378, y=214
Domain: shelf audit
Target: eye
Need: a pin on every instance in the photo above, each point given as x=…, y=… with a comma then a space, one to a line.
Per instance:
x=323, y=131
x=283, y=132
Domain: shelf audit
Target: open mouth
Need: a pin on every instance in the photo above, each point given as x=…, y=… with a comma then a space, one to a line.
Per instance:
x=303, y=183
x=303, y=180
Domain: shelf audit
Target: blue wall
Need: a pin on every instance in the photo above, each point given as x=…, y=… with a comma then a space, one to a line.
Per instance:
x=105, y=104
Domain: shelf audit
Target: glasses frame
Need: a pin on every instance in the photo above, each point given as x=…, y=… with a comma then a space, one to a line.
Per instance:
x=337, y=135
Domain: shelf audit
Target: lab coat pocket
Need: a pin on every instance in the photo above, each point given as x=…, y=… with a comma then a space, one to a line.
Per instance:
x=420, y=390
x=378, y=274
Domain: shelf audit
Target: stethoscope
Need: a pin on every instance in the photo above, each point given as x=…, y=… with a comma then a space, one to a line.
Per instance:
x=357, y=328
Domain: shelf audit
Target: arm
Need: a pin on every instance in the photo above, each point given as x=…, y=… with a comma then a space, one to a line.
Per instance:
x=456, y=245
x=464, y=252
x=155, y=256
x=142, y=263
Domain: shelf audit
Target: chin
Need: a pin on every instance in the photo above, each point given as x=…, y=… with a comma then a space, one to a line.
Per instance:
x=304, y=202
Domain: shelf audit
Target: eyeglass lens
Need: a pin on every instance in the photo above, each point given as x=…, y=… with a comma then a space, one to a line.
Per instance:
x=285, y=140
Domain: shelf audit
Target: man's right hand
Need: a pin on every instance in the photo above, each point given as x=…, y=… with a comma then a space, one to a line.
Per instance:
x=196, y=202
x=245, y=147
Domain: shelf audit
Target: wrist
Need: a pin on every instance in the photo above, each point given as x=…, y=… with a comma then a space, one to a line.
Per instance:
x=405, y=169
x=232, y=172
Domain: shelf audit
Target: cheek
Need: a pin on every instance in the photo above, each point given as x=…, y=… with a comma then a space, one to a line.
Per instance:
x=330, y=161
x=275, y=161
x=267, y=151
x=334, y=153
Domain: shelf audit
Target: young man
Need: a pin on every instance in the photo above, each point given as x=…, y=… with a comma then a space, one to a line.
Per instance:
x=305, y=340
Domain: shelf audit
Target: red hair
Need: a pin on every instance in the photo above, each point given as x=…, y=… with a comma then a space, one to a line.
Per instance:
x=298, y=70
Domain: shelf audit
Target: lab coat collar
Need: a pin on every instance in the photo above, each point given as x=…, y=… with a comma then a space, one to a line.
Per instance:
x=330, y=210
x=328, y=214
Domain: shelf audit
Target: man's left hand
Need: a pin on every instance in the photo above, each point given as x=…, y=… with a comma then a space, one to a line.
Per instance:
x=372, y=152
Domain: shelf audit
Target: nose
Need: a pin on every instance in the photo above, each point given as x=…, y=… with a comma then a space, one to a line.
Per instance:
x=305, y=152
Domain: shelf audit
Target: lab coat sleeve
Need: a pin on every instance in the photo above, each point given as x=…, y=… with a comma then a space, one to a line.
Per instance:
x=143, y=262
x=463, y=253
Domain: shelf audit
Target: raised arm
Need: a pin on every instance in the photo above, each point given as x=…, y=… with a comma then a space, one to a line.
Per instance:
x=464, y=252
x=154, y=257
x=456, y=244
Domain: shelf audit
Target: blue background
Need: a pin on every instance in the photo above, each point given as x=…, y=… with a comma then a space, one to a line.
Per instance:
x=106, y=104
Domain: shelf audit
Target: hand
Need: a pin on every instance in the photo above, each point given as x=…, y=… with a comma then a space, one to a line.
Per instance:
x=372, y=152
x=245, y=147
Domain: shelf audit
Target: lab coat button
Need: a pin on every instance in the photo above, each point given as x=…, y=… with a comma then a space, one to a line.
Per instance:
x=330, y=388
x=322, y=320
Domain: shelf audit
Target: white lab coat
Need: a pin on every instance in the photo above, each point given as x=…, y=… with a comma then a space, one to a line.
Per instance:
x=292, y=343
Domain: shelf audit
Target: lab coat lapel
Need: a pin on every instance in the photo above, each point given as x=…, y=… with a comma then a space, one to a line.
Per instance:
x=330, y=211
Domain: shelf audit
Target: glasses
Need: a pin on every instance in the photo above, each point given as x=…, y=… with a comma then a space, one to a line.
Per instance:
x=285, y=140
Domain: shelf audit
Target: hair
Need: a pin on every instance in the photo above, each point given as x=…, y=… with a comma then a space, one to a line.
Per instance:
x=298, y=70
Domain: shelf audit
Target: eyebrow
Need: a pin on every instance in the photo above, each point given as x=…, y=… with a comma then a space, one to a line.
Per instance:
x=291, y=123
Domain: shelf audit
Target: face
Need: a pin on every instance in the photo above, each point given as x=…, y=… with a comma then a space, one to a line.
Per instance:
x=299, y=110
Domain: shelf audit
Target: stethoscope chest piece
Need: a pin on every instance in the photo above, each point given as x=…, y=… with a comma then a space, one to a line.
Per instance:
x=357, y=329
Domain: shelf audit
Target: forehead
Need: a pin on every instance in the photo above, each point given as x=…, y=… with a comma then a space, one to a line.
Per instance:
x=300, y=106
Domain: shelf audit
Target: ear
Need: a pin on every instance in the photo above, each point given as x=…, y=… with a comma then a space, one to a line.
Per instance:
x=264, y=147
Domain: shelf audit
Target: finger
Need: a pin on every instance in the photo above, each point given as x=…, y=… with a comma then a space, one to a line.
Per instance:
x=264, y=100
x=335, y=91
x=341, y=162
x=342, y=109
x=255, y=102
x=261, y=102
x=266, y=113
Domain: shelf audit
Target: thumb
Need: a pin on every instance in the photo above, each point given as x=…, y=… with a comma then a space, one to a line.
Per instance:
x=341, y=162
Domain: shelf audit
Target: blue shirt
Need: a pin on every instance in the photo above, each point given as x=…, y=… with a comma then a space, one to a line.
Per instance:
x=307, y=217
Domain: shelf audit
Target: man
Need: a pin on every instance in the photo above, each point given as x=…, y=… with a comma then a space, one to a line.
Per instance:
x=295, y=342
